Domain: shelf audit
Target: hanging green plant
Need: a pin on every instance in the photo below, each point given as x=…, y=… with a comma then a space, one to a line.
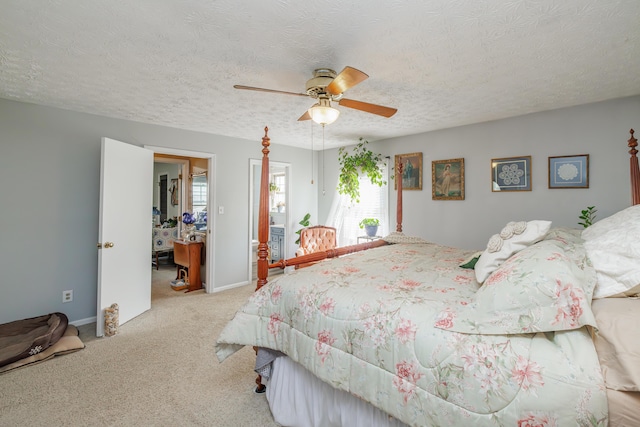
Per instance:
x=360, y=160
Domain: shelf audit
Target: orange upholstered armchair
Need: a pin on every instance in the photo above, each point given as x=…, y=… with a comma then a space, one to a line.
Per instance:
x=316, y=239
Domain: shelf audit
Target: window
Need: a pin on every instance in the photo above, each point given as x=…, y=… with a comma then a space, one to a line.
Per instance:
x=345, y=216
x=199, y=198
x=279, y=195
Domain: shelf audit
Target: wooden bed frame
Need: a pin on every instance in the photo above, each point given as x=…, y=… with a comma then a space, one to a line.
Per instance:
x=634, y=169
x=263, y=264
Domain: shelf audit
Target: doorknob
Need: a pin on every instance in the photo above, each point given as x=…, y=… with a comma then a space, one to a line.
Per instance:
x=107, y=245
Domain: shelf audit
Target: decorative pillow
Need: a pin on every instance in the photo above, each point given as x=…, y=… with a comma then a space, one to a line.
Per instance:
x=471, y=261
x=613, y=245
x=565, y=234
x=514, y=237
x=545, y=287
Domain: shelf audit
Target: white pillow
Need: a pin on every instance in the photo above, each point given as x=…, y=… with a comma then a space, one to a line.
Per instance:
x=613, y=245
x=514, y=237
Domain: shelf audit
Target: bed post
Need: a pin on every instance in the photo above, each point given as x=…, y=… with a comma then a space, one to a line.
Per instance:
x=263, y=215
x=263, y=231
x=399, y=171
x=635, y=171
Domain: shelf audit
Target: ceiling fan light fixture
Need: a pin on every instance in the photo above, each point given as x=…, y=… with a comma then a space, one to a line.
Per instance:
x=323, y=113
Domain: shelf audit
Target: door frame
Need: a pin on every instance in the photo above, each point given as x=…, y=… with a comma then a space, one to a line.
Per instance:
x=253, y=212
x=211, y=217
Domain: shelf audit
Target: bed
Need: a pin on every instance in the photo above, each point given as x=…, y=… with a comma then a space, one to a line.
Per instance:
x=407, y=332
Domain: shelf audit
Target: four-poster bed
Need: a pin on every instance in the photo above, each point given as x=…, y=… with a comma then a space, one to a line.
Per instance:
x=420, y=340
x=263, y=265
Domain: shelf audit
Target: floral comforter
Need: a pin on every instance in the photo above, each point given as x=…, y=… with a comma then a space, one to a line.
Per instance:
x=405, y=328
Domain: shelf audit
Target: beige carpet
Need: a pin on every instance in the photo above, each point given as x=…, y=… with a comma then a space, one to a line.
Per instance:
x=159, y=370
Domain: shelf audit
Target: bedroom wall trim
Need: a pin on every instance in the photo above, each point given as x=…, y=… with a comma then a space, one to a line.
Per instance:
x=84, y=321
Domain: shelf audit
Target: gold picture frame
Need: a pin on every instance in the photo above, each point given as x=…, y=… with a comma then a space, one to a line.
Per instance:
x=411, y=172
x=447, y=179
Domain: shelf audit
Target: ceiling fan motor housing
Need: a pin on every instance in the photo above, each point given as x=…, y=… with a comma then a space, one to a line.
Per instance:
x=317, y=86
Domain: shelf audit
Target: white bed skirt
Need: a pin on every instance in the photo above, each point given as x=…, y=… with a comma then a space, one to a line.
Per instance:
x=298, y=398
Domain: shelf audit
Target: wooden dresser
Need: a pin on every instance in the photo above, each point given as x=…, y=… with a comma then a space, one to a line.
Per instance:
x=189, y=255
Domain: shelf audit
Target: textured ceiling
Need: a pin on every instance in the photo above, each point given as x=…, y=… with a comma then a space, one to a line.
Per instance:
x=441, y=63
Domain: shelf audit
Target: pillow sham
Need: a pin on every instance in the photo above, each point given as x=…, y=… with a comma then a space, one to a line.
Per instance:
x=545, y=287
x=514, y=237
x=613, y=245
x=617, y=342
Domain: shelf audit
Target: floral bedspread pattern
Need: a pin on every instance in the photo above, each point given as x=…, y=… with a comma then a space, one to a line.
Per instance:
x=545, y=287
x=371, y=323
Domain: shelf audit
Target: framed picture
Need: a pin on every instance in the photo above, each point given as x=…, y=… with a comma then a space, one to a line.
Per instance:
x=174, y=192
x=447, y=179
x=569, y=171
x=511, y=174
x=412, y=172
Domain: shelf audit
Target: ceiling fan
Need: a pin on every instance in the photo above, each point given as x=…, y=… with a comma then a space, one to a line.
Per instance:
x=327, y=86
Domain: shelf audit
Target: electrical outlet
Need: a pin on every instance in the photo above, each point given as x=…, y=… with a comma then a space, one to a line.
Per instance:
x=67, y=296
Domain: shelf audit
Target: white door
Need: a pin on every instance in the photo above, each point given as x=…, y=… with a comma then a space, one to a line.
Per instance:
x=124, y=232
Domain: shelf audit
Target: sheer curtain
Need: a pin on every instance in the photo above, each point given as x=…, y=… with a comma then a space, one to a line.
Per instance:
x=345, y=215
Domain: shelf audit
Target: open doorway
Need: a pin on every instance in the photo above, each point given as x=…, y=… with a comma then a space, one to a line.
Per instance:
x=280, y=228
x=124, y=273
x=190, y=184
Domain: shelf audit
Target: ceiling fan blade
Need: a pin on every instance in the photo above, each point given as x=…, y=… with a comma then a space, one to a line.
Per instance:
x=259, y=89
x=349, y=77
x=369, y=108
x=305, y=116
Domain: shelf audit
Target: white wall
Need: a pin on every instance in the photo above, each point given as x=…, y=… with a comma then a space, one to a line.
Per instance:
x=50, y=170
x=50, y=165
x=600, y=130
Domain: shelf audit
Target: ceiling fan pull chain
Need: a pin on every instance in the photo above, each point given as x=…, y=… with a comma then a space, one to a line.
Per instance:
x=323, y=180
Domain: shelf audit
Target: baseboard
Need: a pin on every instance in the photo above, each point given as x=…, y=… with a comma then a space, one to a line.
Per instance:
x=81, y=322
x=272, y=272
x=231, y=286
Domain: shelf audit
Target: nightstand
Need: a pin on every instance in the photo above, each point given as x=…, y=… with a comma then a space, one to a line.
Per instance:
x=188, y=254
